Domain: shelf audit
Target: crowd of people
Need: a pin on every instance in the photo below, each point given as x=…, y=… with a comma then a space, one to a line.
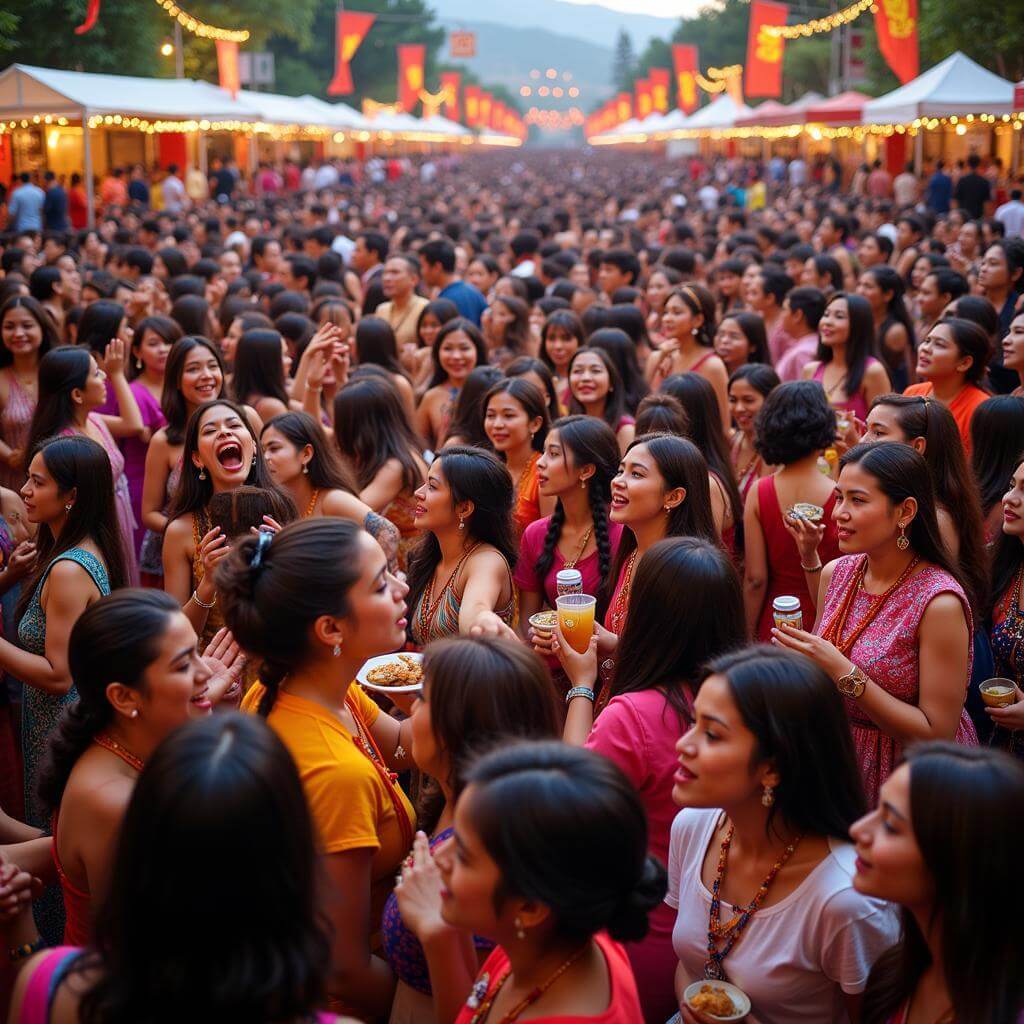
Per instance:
x=769, y=422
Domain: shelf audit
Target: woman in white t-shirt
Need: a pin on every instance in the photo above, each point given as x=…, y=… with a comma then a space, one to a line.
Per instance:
x=770, y=788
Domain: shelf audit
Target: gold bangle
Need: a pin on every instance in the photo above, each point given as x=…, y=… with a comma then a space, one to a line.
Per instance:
x=202, y=604
x=812, y=568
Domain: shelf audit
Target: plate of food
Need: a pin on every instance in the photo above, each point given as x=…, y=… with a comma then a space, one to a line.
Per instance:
x=715, y=1001
x=393, y=673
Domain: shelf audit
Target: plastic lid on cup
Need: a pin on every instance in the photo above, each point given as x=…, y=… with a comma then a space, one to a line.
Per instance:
x=786, y=604
x=569, y=578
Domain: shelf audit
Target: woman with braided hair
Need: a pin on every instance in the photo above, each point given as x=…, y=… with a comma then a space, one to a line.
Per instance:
x=314, y=602
x=580, y=458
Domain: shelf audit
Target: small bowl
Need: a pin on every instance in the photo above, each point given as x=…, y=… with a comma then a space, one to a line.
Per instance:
x=545, y=622
x=805, y=510
x=739, y=998
x=998, y=693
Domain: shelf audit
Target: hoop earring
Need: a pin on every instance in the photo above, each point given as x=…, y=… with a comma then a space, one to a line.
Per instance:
x=768, y=796
x=902, y=541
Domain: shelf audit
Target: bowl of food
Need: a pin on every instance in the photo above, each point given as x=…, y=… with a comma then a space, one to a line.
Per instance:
x=805, y=510
x=998, y=693
x=544, y=622
x=716, y=1001
x=392, y=673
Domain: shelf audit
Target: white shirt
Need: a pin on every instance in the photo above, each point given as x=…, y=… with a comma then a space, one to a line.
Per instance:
x=326, y=177
x=174, y=194
x=797, y=172
x=795, y=959
x=708, y=196
x=1011, y=216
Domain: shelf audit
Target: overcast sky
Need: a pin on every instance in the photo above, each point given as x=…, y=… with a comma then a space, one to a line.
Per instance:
x=664, y=8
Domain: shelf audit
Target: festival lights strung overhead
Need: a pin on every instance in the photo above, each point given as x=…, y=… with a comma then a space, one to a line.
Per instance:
x=717, y=79
x=827, y=24
x=555, y=120
x=200, y=28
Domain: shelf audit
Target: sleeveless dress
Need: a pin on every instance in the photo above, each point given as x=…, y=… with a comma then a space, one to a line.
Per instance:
x=751, y=472
x=122, y=496
x=857, y=404
x=77, y=902
x=151, y=553
x=15, y=421
x=784, y=573
x=887, y=652
x=1008, y=650
x=11, y=796
x=526, y=506
x=41, y=712
x=134, y=452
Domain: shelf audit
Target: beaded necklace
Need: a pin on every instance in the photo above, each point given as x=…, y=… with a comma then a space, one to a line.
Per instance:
x=483, y=1006
x=428, y=606
x=130, y=759
x=731, y=932
x=836, y=625
x=312, y=503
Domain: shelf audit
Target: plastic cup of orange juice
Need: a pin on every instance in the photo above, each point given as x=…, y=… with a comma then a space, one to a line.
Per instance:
x=576, y=619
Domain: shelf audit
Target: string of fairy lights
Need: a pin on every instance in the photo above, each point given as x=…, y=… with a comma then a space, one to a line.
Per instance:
x=200, y=28
x=829, y=23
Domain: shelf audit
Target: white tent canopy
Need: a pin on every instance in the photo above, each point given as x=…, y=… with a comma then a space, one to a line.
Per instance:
x=338, y=115
x=27, y=91
x=956, y=86
x=719, y=113
x=443, y=126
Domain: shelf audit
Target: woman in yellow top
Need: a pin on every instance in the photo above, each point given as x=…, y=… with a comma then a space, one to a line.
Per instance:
x=314, y=602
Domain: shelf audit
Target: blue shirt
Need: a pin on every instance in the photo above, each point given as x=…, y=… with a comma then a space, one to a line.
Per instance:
x=55, y=208
x=25, y=208
x=938, y=192
x=469, y=301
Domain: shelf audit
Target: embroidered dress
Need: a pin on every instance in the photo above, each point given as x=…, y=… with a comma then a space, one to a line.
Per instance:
x=15, y=421
x=887, y=651
x=1008, y=649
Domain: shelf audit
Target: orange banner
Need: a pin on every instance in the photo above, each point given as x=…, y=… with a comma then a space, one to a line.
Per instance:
x=624, y=107
x=227, y=66
x=685, y=65
x=644, y=101
x=659, y=78
x=451, y=82
x=896, y=25
x=351, y=28
x=410, y=74
x=486, y=102
x=764, y=51
x=471, y=95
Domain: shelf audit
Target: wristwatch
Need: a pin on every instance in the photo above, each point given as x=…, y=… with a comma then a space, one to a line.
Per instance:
x=852, y=684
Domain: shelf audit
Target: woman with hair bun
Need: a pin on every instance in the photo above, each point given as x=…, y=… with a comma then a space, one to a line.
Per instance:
x=138, y=673
x=477, y=694
x=314, y=602
x=760, y=863
x=552, y=866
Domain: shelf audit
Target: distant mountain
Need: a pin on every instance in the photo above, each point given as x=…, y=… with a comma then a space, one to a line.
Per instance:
x=596, y=25
x=506, y=56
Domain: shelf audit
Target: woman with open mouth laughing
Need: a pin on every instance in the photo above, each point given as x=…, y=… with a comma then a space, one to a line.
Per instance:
x=139, y=674
x=220, y=452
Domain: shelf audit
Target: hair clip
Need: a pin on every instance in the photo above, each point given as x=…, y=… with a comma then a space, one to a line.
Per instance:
x=262, y=543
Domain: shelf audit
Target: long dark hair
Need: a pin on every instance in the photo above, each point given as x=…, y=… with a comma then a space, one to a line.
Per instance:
x=680, y=464
x=475, y=475
x=615, y=400
x=371, y=427
x=100, y=322
x=686, y=608
x=467, y=422
x=800, y=724
x=535, y=805
x=997, y=438
x=61, y=371
x=192, y=493
x=530, y=398
x=1007, y=558
x=617, y=343
x=700, y=302
x=888, y=279
x=966, y=809
x=902, y=473
x=955, y=489
x=172, y=401
x=517, y=334
x=259, y=367
x=50, y=337
x=376, y=343
x=325, y=468
x=565, y=320
x=592, y=443
x=860, y=344
x=193, y=314
x=471, y=331
x=307, y=571
x=113, y=641
x=528, y=364
x=163, y=327
x=79, y=464
x=215, y=791
x=697, y=397
x=754, y=331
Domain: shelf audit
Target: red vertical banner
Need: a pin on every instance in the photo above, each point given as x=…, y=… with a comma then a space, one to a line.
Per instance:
x=896, y=25
x=624, y=107
x=471, y=97
x=659, y=78
x=764, y=50
x=351, y=28
x=497, y=116
x=227, y=66
x=451, y=81
x=486, y=102
x=644, y=104
x=685, y=66
x=410, y=74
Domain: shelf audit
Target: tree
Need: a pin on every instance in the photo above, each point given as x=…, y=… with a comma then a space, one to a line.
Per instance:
x=624, y=62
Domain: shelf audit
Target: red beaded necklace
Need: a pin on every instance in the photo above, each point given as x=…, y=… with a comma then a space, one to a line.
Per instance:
x=130, y=759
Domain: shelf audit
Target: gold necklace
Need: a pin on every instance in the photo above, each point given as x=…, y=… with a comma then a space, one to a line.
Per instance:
x=582, y=548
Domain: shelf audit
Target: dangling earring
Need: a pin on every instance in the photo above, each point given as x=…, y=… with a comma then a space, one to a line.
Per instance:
x=520, y=931
x=694, y=331
x=305, y=468
x=138, y=364
x=583, y=485
x=462, y=524
x=336, y=651
x=254, y=458
x=902, y=542
x=768, y=796
x=68, y=507
x=202, y=472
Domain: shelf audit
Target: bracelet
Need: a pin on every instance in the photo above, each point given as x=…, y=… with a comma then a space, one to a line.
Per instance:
x=316, y=391
x=580, y=691
x=26, y=949
x=812, y=568
x=202, y=604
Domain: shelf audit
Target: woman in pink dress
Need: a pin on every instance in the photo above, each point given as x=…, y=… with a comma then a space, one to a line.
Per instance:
x=72, y=387
x=894, y=627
